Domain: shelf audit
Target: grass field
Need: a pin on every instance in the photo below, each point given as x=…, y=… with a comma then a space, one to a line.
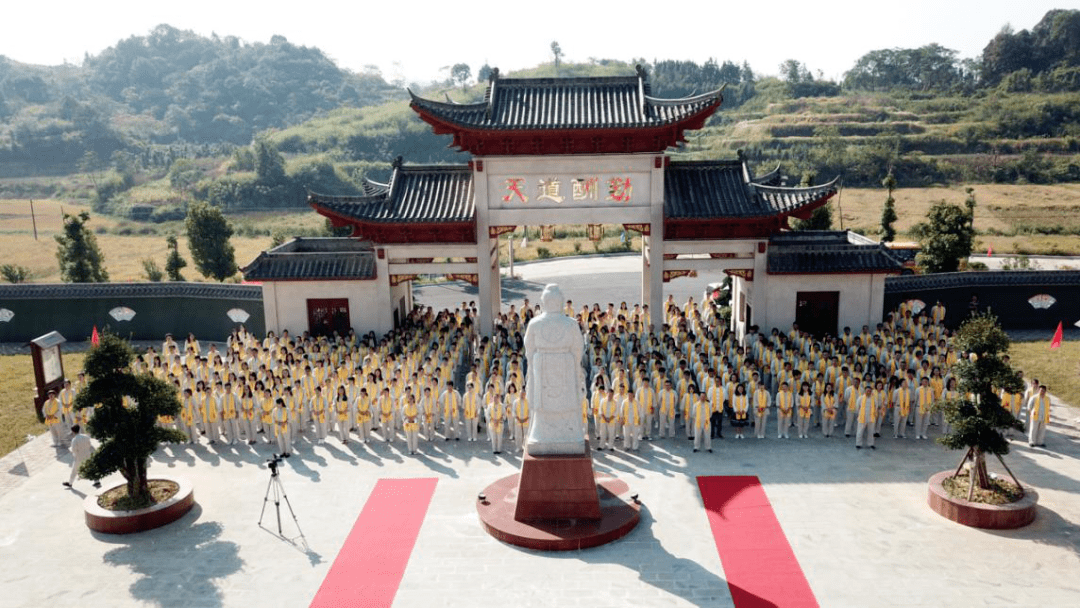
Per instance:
x=17, y=417
x=1058, y=368
x=1012, y=219
x=124, y=252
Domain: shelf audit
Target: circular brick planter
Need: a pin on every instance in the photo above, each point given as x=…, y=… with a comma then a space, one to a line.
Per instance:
x=978, y=515
x=140, y=520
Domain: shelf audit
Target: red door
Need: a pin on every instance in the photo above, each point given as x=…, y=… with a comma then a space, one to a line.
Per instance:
x=325, y=316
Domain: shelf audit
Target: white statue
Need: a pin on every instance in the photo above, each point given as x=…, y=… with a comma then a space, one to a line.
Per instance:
x=556, y=381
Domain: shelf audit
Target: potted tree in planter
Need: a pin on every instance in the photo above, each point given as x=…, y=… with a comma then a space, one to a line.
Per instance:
x=977, y=421
x=125, y=421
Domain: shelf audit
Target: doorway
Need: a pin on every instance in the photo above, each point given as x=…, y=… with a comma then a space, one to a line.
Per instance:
x=325, y=316
x=816, y=312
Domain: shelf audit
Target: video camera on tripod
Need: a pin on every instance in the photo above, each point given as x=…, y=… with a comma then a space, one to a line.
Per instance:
x=273, y=462
x=275, y=489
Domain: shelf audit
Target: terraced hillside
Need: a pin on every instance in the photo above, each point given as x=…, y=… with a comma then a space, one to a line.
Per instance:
x=990, y=137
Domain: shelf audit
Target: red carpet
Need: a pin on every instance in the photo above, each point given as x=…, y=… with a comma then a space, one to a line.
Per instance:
x=760, y=567
x=369, y=567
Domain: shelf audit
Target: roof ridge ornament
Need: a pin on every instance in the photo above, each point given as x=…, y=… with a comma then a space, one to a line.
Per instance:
x=643, y=104
x=489, y=95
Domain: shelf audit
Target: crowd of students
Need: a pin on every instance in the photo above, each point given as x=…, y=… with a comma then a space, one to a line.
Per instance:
x=435, y=376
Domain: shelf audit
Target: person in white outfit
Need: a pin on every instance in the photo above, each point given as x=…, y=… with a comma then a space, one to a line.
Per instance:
x=1039, y=417
x=81, y=450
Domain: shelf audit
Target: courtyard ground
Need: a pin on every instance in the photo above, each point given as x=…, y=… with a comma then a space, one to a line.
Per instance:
x=857, y=521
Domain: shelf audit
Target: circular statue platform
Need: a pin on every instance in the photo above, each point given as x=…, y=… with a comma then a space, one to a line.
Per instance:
x=618, y=516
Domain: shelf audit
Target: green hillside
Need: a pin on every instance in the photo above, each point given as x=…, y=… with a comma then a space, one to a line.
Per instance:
x=159, y=120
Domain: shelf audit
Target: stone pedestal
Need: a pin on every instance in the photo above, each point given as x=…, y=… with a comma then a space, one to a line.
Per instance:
x=557, y=487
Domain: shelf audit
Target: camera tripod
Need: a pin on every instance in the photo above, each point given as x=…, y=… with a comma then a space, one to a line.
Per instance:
x=278, y=490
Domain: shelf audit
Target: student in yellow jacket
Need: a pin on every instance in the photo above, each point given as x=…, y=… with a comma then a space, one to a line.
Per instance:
x=902, y=400
x=387, y=415
x=866, y=414
x=702, y=414
x=520, y=412
x=52, y=410
x=496, y=417
x=187, y=416
x=804, y=409
x=247, y=414
x=631, y=416
x=362, y=406
x=342, y=405
x=450, y=405
x=668, y=400
x=410, y=415
x=785, y=409
x=471, y=404
x=281, y=428
x=829, y=410
x=608, y=420
x=924, y=401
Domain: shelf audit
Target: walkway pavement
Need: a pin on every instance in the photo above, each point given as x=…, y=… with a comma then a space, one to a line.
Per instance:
x=857, y=522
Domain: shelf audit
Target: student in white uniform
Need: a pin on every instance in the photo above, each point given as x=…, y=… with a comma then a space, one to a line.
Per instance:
x=81, y=449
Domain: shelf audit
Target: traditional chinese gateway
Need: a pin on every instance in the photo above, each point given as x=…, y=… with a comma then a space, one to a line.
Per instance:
x=574, y=151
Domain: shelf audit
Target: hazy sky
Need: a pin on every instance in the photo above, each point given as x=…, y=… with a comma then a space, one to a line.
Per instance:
x=416, y=40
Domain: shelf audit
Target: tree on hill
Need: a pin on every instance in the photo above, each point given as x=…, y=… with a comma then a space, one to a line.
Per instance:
x=208, y=238
x=888, y=212
x=269, y=165
x=556, y=50
x=125, y=418
x=977, y=423
x=946, y=237
x=820, y=218
x=174, y=262
x=461, y=74
x=932, y=67
x=1052, y=44
x=81, y=260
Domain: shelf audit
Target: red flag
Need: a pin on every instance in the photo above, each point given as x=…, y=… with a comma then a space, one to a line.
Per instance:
x=990, y=250
x=94, y=338
x=1056, y=340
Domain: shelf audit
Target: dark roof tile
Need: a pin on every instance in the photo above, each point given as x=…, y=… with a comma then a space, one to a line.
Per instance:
x=999, y=278
x=722, y=189
x=35, y=291
x=814, y=252
x=609, y=102
x=425, y=194
x=314, y=258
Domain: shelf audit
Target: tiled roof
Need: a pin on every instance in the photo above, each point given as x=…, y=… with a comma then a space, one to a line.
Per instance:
x=817, y=252
x=314, y=258
x=611, y=102
x=36, y=291
x=373, y=188
x=772, y=178
x=1000, y=278
x=427, y=194
x=722, y=189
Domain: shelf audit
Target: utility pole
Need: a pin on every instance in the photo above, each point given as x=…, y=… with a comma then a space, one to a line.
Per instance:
x=33, y=218
x=510, y=243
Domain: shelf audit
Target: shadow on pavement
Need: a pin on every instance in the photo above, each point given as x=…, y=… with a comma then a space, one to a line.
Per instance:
x=151, y=555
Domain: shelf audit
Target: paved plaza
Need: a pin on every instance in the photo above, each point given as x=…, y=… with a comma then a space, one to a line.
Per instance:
x=857, y=522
